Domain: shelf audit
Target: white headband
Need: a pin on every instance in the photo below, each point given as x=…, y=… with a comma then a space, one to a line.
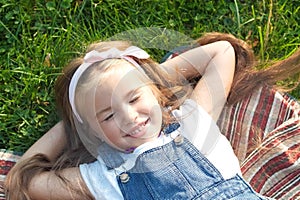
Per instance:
x=95, y=56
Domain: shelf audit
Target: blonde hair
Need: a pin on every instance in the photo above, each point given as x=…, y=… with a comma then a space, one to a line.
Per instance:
x=171, y=93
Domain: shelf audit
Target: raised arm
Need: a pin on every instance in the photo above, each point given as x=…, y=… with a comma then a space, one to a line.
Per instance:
x=215, y=62
x=33, y=177
x=48, y=185
x=50, y=144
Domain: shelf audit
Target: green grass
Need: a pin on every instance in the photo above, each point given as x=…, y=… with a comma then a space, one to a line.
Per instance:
x=39, y=37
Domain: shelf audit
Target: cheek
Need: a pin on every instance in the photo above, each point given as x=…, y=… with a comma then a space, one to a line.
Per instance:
x=150, y=106
x=110, y=130
x=153, y=100
x=154, y=109
x=112, y=136
x=157, y=96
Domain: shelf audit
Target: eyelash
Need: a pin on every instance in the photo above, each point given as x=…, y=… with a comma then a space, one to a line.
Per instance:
x=109, y=117
x=134, y=99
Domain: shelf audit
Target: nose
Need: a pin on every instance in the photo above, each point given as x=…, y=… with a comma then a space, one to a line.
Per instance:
x=129, y=115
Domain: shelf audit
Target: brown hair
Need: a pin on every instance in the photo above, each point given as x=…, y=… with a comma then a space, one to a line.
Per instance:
x=247, y=77
x=172, y=93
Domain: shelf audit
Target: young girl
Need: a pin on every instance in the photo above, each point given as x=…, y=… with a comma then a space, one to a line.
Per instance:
x=153, y=136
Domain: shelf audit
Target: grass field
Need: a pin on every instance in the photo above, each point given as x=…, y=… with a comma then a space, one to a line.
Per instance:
x=38, y=37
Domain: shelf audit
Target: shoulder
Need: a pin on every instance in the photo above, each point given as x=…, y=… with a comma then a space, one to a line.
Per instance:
x=191, y=112
x=197, y=125
x=202, y=131
x=100, y=181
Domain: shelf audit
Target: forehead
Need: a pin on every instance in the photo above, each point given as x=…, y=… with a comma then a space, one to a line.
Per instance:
x=114, y=83
x=122, y=78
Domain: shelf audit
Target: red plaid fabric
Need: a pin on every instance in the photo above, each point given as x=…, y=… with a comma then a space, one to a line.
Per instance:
x=273, y=168
x=7, y=161
x=264, y=130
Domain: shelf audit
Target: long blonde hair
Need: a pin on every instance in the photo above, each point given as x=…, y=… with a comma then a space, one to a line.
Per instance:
x=172, y=94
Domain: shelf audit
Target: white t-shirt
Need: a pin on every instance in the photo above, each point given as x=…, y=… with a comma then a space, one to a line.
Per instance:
x=195, y=124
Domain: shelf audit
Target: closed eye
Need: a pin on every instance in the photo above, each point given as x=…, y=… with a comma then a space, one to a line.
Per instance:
x=109, y=117
x=134, y=99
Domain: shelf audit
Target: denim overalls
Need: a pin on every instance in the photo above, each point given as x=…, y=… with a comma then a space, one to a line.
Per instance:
x=178, y=170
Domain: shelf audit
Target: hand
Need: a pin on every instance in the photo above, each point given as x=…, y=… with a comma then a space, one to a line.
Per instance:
x=215, y=62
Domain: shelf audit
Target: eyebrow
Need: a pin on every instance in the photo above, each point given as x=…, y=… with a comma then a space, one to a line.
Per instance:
x=130, y=93
x=103, y=111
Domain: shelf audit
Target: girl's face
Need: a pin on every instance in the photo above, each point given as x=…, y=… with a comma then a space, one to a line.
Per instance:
x=126, y=108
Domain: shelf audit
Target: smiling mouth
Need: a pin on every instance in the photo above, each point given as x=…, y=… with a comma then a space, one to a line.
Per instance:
x=139, y=130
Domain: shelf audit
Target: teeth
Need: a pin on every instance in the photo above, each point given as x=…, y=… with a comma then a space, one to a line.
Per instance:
x=137, y=130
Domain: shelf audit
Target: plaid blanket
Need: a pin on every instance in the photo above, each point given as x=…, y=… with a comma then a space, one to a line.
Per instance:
x=7, y=161
x=264, y=130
